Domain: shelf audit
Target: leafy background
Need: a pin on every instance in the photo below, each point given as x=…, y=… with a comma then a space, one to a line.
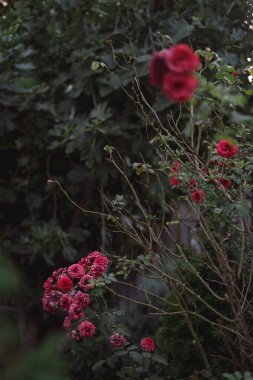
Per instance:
x=57, y=115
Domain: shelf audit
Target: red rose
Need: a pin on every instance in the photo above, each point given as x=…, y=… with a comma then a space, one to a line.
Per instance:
x=147, y=344
x=234, y=74
x=117, y=340
x=224, y=182
x=226, y=149
x=86, y=329
x=175, y=166
x=174, y=181
x=198, y=196
x=193, y=182
x=64, y=284
x=182, y=59
x=75, y=271
x=158, y=67
x=178, y=87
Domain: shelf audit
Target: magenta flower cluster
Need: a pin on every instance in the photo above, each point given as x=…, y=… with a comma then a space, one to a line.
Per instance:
x=68, y=289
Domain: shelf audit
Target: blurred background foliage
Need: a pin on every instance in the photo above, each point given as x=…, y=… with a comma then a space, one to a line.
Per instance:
x=57, y=114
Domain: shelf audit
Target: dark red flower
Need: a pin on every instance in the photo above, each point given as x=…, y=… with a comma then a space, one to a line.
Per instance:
x=75, y=271
x=117, y=340
x=48, y=283
x=67, y=323
x=147, y=344
x=86, y=329
x=198, y=196
x=85, y=284
x=82, y=299
x=51, y=300
x=158, y=67
x=193, y=182
x=94, y=255
x=182, y=59
x=226, y=149
x=75, y=311
x=234, y=74
x=175, y=166
x=224, y=182
x=174, y=181
x=64, y=284
x=179, y=87
x=66, y=301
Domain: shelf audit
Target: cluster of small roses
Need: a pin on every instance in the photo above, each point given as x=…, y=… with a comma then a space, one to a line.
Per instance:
x=147, y=344
x=67, y=289
x=172, y=69
x=225, y=149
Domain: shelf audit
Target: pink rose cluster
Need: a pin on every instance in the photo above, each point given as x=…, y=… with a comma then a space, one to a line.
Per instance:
x=172, y=69
x=68, y=289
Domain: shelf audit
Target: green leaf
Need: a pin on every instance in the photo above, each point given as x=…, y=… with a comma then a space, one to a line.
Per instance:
x=146, y=355
x=159, y=359
x=136, y=356
x=120, y=353
x=98, y=365
x=243, y=209
x=133, y=347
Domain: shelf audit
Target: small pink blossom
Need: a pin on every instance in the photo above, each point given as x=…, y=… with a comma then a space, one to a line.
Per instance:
x=67, y=323
x=51, y=301
x=48, y=284
x=59, y=272
x=84, y=283
x=74, y=334
x=147, y=344
x=117, y=340
x=66, y=301
x=84, y=262
x=75, y=311
x=86, y=329
x=75, y=271
x=94, y=255
x=82, y=299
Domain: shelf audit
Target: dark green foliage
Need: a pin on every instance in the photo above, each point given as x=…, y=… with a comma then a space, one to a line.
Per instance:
x=57, y=114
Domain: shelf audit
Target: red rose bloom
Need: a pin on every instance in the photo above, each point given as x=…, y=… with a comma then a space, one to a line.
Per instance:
x=182, y=59
x=75, y=271
x=64, y=284
x=174, y=181
x=234, y=74
x=224, y=182
x=178, y=87
x=86, y=329
x=192, y=183
x=147, y=344
x=66, y=301
x=117, y=340
x=226, y=149
x=198, y=196
x=175, y=166
x=158, y=67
